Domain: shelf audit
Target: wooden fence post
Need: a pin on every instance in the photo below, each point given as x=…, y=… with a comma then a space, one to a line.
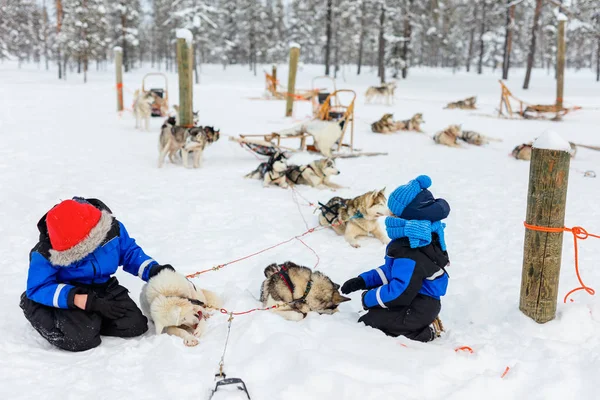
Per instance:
x=119, y=71
x=274, y=72
x=294, y=56
x=560, y=64
x=546, y=200
x=185, y=69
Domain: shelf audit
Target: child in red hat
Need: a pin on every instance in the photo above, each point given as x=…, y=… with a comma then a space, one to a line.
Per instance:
x=72, y=297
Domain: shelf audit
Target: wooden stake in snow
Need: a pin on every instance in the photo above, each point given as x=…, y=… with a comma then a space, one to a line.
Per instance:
x=546, y=200
x=560, y=63
x=274, y=73
x=294, y=56
x=185, y=67
x=119, y=69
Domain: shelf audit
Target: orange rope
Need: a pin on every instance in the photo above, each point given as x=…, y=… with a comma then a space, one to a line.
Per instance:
x=578, y=233
x=464, y=348
x=505, y=372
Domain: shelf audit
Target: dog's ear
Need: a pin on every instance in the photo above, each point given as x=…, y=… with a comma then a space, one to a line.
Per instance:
x=338, y=298
x=336, y=286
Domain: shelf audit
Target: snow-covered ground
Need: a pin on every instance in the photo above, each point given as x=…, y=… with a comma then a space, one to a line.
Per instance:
x=60, y=139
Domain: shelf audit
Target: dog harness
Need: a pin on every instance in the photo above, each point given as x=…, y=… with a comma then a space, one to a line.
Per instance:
x=294, y=172
x=285, y=276
x=335, y=208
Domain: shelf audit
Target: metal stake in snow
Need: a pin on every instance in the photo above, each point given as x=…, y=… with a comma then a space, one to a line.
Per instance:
x=119, y=70
x=546, y=200
x=294, y=56
x=185, y=63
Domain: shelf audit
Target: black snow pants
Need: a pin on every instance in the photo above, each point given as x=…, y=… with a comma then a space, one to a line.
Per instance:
x=79, y=330
x=411, y=321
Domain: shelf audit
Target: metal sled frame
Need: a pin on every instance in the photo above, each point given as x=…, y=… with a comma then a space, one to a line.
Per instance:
x=319, y=98
x=230, y=381
x=537, y=110
x=156, y=105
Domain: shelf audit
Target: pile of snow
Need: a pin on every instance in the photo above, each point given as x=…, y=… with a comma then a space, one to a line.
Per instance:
x=185, y=34
x=551, y=140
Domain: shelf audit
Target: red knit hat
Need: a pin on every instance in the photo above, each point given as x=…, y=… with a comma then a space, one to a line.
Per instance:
x=70, y=222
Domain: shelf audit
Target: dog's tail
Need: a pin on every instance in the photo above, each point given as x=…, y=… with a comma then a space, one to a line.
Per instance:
x=271, y=270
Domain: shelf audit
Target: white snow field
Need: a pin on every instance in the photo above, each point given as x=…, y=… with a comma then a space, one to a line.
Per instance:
x=60, y=139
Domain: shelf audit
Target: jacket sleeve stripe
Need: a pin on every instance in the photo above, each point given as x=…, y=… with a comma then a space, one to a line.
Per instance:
x=378, y=296
x=435, y=275
x=382, y=276
x=144, y=266
x=59, y=289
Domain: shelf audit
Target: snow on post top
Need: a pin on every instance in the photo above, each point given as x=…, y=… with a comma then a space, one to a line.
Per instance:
x=294, y=45
x=551, y=141
x=118, y=48
x=185, y=34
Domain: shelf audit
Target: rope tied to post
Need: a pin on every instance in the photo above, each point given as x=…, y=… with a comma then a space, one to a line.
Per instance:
x=579, y=233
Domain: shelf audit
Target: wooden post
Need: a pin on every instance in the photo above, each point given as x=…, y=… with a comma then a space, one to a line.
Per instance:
x=274, y=73
x=294, y=56
x=119, y=71
x=546, y=200
x=560, y=65
x=185, y=69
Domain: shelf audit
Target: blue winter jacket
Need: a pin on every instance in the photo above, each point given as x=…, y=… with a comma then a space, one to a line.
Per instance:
x=406, y=273
x=53, y=277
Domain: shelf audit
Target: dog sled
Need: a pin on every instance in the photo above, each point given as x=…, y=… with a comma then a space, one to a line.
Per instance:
x=328, y=129
x=274, y=91
x=527, y=110
x=160, y=107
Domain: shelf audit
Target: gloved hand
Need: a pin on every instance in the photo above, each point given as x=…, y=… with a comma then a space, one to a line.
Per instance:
x=157, y=268
x=354, y=284
x=108, y=308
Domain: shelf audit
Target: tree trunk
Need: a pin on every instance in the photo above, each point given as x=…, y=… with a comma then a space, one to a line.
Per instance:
x=510, y=18
x=79, y=64
x=530, y=56
x=362, y=35
x=59, y=17
x=598, y=61
x=328, y=35
x=406, y=44
x=482, y=33
x=196, y=57
x=472, y=37
x=124, y=43
x=382, y=45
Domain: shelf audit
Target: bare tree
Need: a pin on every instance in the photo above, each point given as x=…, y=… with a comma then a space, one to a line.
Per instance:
x=481, y=36
x=381, y=50
x=534, y=29
x=59, y=17
x=510, y=22
x=472, y=36
x=328, y=35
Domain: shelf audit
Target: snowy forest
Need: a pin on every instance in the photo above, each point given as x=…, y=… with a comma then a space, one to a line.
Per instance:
x=77, y=36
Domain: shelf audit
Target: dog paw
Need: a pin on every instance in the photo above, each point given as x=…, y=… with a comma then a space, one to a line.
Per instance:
x=190, y=342
x=355, y=245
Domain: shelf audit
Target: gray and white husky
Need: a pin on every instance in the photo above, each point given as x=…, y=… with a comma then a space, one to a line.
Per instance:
x=298, y=290
x=315, y=174
x=142, y=108
x=174, y=139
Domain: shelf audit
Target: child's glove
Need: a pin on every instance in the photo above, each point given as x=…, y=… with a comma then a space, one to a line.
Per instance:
x=157, y=268
x=354, y=284
x=108, y=308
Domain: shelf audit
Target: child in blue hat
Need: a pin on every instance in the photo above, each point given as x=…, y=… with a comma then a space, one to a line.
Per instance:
x=403, y=295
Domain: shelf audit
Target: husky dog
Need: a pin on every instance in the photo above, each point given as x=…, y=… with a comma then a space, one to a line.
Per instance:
x=356, y=217
x=476, y=139
x=195, y=116
x=384, y=91
x=413, y=124
x=272, y=171
x=315, y=174
x=385, y=125
x=174, y=303
x=449, y=136
x=142, y=108
x=298, y=290
x=523, y=151
x=466, y=104
x=195, y=143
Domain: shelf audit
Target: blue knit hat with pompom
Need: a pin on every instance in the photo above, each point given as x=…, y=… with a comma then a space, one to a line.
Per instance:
x=403, y=195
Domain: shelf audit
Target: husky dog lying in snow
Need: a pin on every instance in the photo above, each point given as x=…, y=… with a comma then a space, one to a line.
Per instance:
x=476, y=139
x=385, y=91
x=142, y=108
x=174, y=139
x=449, y=136
x=356, y=217
x=299, y=290
x=523, y=151
x=315, y=174
x=413, y=124
x=272, y=172
x=466, y=104
x=174, y=304
x=387, y=124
